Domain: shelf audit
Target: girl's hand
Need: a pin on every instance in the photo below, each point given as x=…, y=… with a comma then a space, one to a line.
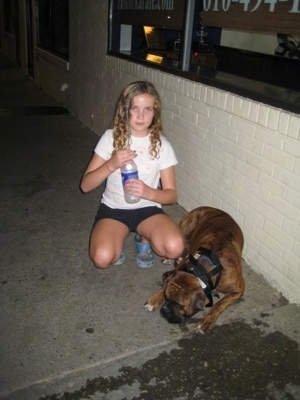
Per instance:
x=120, y=158
x=138, y=188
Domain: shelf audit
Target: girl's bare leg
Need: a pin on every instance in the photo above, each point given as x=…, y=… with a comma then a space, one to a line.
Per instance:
x=164, y=235
x=106, y=242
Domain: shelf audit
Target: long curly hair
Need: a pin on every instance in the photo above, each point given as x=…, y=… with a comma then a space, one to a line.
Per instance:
x=121, y=129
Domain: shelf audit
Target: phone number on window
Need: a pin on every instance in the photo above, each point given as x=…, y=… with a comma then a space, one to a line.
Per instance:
x=224, y=5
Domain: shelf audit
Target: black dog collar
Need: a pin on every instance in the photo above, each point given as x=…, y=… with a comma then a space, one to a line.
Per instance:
x=197, y=269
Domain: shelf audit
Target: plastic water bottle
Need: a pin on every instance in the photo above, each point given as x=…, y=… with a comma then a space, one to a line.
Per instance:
x=130, y=171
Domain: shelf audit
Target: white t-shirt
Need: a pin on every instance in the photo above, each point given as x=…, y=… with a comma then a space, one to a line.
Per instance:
x=148, y=169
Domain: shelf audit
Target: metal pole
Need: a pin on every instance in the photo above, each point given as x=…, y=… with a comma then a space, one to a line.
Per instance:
x=187, y=42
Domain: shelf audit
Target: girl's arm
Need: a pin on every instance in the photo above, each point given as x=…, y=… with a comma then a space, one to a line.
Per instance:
x=99, y=169
x=96, y=172
x=168, y=192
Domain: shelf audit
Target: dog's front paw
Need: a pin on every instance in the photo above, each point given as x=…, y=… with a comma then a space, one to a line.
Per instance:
x=155, y=301
x=199, y=329
x=148, y=307
x=152, y=304
x=166, y=261
x=205, y=324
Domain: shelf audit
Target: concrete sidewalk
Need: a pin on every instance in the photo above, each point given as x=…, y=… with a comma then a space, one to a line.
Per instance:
x=70, y=331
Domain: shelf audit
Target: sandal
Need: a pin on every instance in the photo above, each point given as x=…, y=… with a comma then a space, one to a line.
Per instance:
x=121, y=260
x=145, y=258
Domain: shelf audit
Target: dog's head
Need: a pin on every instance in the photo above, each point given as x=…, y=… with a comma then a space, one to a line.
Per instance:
x=184, y=296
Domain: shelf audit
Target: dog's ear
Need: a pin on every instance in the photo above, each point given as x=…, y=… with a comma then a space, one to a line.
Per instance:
x=167, y=274
x=173, y=289
x=200, y=300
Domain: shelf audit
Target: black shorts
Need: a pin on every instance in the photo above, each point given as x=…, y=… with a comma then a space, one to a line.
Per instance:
x=131, y=218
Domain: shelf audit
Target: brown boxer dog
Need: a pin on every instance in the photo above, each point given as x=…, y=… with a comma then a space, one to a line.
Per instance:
x=211, y=265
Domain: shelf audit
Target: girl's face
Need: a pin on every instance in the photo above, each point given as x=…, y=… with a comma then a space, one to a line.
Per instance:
x=141, y=114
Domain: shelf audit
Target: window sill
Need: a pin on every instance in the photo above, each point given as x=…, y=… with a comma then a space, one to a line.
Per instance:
x=272, y=95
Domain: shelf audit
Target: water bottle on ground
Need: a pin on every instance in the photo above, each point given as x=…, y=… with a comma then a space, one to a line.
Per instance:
x=130, y=171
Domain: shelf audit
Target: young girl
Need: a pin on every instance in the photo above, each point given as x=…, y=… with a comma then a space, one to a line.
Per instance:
x=136, y=135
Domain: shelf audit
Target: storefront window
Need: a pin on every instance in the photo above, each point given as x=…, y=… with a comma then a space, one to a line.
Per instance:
x=9, y=16
x=53, y=26
x=230, y=45
x=150, y=31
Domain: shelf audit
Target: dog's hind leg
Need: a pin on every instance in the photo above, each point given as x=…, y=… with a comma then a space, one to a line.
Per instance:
x=209, y=320
x=155, y=301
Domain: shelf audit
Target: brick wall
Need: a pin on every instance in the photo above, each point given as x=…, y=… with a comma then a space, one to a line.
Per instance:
x=242, y=157
x=235, y=154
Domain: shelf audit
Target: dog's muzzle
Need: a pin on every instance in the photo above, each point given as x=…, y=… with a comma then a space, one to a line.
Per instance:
x=168, y=312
